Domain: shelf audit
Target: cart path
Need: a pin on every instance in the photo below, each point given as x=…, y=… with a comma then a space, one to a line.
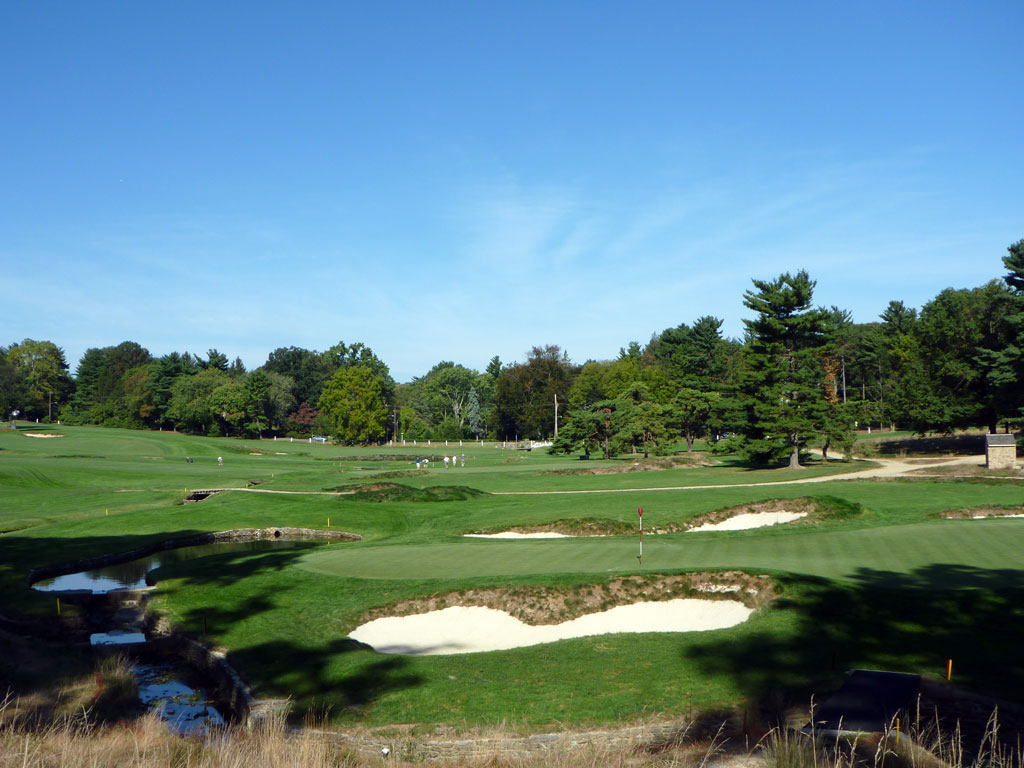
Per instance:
x=889, y=468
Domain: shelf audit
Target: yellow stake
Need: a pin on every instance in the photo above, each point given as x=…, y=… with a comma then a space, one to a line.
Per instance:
x=106, y=511
x=328, y=522
x=949, y=670
x=58, y=606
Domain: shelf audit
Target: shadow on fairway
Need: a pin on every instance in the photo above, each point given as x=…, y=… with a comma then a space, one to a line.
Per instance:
x=941, y=444
x=338, y=674
x=903, y=622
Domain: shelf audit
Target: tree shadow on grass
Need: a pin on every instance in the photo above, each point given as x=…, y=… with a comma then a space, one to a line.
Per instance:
x=342, y=677
x=339, y=674
x=903, y=622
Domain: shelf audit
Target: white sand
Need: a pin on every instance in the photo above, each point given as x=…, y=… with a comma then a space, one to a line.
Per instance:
x=41, y=434
x=514, y=535
x=750, y=520
x=993, y=517
x=473, y=629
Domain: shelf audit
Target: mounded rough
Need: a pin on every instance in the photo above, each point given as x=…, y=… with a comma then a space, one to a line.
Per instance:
x=554, y=605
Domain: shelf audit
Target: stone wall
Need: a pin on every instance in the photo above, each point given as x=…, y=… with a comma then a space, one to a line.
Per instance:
x=1001, y=456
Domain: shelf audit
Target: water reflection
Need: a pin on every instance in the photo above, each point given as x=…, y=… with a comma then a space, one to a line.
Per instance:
x=116, y=637
x=132, y=574
x=184, y=709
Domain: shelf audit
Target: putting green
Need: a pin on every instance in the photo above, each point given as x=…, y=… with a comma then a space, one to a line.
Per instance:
x=986, y=544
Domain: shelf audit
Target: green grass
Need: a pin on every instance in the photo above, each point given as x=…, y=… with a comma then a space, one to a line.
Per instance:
x=883, y=581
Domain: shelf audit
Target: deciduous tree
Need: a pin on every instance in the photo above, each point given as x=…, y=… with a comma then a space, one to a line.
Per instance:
x=355, y=401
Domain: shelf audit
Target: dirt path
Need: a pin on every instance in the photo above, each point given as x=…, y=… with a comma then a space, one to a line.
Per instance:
x=889, y=468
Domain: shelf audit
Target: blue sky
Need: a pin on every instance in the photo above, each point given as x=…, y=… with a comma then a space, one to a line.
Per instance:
x=457, y=180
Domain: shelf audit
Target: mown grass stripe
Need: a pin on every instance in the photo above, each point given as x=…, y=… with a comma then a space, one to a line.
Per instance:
x=840, y=554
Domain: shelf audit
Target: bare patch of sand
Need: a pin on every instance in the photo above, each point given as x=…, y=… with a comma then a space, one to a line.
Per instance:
x=749, y=520
x=472, y=629
x=984, y=513
x=41, y=434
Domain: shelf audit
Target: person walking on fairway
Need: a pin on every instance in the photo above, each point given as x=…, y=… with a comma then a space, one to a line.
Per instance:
x=446, y=462
x=417, y=462
x=463, y=460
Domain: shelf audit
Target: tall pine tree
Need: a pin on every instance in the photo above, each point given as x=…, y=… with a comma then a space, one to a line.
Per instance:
x=784, y=382
x=1004, y=364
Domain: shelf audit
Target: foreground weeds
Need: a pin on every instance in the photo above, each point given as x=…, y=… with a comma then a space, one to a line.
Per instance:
x=75, y=743
x=923, y=744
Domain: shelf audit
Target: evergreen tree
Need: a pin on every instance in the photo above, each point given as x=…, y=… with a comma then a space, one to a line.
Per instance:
x=1003, y=363
x=784, y=377
x=12, y=387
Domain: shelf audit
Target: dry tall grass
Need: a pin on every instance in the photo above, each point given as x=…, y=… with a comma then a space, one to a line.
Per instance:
x=80, y=742
x=75, y=742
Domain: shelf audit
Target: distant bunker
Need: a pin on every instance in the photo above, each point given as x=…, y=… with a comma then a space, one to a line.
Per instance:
x=744, y=517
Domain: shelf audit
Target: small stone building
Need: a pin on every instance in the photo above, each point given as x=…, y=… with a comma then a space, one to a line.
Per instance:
x=1000, y=452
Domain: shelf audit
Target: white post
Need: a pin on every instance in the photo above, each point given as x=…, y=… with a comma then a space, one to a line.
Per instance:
x=640, y=512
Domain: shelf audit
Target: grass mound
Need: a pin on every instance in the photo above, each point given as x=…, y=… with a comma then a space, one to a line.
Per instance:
x=639, y=464
x=576, y=526
x=541, y=605
x=384, y=492
x=817, y=508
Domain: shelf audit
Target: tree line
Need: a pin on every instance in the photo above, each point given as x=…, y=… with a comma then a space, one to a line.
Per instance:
x=799, y=372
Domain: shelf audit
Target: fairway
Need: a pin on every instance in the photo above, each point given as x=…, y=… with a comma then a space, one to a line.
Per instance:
x=838, y=555
x=878, y=576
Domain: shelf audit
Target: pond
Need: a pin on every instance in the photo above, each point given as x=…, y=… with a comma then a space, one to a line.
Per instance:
x=133, y=574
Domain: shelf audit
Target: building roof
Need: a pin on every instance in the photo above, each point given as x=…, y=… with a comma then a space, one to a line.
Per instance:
x=994, y=440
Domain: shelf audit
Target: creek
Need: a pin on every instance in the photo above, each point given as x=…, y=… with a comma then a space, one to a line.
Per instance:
x=133, y=574
x=117, y=616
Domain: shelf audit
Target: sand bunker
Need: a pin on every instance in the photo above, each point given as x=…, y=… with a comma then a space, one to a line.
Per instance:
x=993, y=517
x=750, y=520
x=471, y=629
x=515, y=535
x=41, y=434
